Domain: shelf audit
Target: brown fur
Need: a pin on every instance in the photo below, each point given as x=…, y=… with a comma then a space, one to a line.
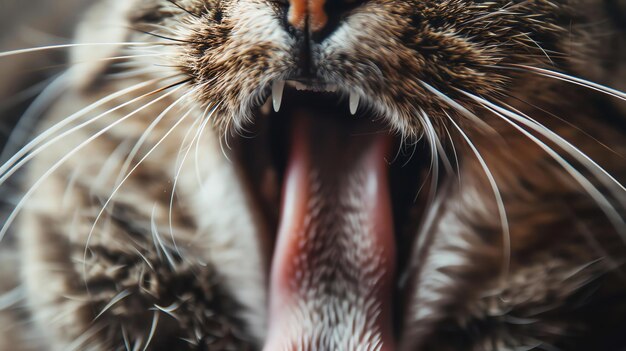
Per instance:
x=560, y=287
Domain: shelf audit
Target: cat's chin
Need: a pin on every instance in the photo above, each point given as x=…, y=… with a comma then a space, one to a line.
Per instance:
x=333, y=182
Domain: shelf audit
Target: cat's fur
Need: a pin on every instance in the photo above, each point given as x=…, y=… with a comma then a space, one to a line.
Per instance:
x=196, y=279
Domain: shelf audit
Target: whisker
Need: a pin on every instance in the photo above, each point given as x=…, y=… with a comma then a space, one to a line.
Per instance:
x=120, y=182
x=608, y=180
x=169, y=310
x=130, y=73
x=20, y=132
x=402, y=147
x=464, y=111
x=539, y=47
x=133, y=152
x=29, y=92
x=572, y=150
x=54, y=167
x=162, y=28
x=11, y=163
x=117, y=298
x=504, y=222
x=125, y=338
x=155, y=321
x=456, y=156
x=605, y=205
x=160, y=36
x=431, y=137
x=570, y=79
x=80, y=342
x=137, y=344
x=108, y=166
x=200, y=133
x=178, y=165
x=69, y=64
x=175, y=3
x=570, y=124
x=224, y=140
x=158, y=241
x=176, y=176
x=435, y=137
x=65, y=46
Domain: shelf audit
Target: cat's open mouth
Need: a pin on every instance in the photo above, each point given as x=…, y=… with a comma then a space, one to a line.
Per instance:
x=336, y=190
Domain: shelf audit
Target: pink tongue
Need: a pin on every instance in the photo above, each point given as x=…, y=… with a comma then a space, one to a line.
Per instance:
x=334, y=261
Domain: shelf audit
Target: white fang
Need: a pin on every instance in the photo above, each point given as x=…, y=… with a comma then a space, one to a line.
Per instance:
x=277, y=94
x=354, y=102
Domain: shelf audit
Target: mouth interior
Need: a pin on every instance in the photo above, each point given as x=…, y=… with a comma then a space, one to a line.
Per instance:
x=333, y=187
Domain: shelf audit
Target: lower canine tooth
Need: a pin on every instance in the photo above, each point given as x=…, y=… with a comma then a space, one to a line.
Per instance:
x=277, y=93
x=354, y=102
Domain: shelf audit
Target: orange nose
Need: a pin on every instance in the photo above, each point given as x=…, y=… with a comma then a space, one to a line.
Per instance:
x=301, y=11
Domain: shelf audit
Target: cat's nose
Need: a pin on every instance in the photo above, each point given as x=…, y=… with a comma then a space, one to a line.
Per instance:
x=317, y=15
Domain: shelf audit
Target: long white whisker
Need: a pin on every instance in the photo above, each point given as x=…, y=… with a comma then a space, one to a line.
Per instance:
x=142, y=139
x=155, y=322
x=464, y=111
x=574, y=80
x=504, y=222
x=605, y=205
x=456, y=156
x=19, y=135
x=608, y=180
x=64, y=46
x=121, y=60
x=11, y=163
x=176, y=176
x=159, y=245
x=200, y=133
x=439, y=146
x=130, y=72
x=431, y=137
x=121, y=182
x=117, y=298
x=575, y=152
x=179, y=163
x=539, y=46
x=80, y=342
x=563, y=120
x=108, y=166
x=67, y=156
x=224, y=140
x=125, y=338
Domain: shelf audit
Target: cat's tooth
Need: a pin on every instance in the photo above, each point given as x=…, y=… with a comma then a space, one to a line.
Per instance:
x=277, y=94
x=299, y=86
x=354, y=102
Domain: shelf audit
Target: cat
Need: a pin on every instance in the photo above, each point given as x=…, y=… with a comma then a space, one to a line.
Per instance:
x=325, y=175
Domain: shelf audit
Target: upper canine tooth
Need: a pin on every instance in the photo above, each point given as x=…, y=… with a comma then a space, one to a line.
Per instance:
x=277, y=93
x=354, y=102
